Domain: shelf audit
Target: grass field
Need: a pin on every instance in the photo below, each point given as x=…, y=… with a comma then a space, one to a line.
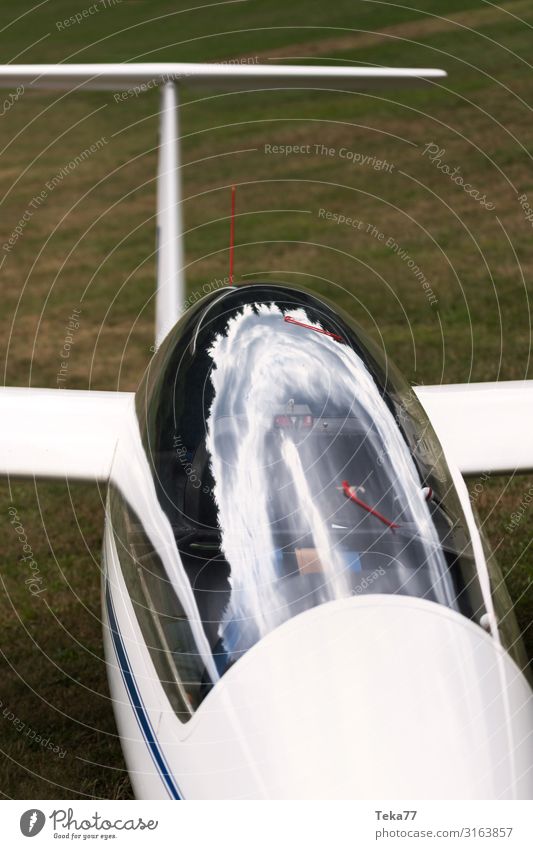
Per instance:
x=88, y=245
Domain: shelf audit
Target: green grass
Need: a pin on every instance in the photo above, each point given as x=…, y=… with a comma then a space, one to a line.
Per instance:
x=95, y=235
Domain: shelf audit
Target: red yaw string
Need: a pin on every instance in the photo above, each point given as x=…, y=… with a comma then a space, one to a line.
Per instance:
x=349, y=494
x=232, y=234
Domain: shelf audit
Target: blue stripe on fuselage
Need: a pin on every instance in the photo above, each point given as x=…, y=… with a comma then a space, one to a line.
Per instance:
x=137, y=702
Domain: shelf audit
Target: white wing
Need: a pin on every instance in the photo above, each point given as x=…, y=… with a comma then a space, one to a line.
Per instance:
x=483, y=427
x=60, y=433
x=66, y=433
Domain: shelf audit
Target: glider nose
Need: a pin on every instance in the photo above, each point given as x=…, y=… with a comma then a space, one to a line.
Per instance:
x=380, y=697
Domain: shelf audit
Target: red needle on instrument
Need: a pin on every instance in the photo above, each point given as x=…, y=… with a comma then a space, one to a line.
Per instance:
x=350, y=494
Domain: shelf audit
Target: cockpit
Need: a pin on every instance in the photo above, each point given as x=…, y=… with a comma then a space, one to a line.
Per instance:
x=294, y=467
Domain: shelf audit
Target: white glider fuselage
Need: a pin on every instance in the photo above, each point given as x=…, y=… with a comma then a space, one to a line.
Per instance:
x=369, y=698
x=297, y=603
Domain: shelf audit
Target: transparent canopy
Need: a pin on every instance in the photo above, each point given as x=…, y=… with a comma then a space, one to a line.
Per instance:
x=295, y=467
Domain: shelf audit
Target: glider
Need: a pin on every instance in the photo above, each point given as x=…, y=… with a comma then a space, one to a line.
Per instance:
x=297, y=599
